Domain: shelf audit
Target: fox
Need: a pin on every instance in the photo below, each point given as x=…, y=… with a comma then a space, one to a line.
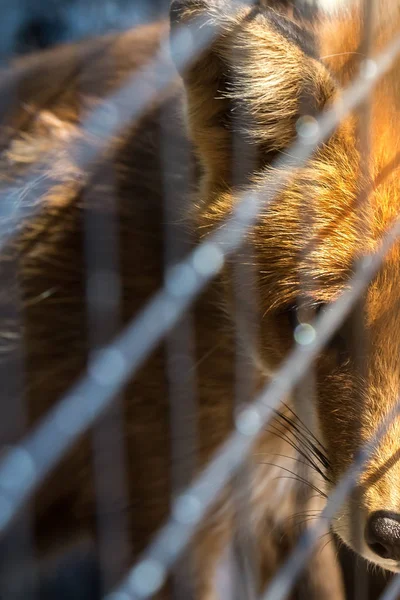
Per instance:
x=94, y=222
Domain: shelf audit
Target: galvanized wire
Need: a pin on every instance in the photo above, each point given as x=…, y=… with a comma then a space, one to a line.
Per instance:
x=392, y=591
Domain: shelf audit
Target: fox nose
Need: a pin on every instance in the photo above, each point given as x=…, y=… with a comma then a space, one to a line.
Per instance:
x=382, y=534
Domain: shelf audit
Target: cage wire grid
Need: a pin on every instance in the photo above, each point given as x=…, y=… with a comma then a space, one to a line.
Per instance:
x=114, y=360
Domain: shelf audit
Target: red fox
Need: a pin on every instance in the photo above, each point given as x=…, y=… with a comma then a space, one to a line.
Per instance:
x=87, y=245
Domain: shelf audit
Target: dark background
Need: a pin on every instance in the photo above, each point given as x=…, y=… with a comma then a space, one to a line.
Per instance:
x=27, y=25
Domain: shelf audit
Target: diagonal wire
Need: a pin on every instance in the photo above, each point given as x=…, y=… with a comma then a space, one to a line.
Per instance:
x=392, y=590
x=24, y=468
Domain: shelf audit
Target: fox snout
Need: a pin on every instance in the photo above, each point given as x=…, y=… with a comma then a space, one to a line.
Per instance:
x=382, y=534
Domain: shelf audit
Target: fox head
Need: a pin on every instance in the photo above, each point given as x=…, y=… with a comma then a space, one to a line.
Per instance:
x=260, y=83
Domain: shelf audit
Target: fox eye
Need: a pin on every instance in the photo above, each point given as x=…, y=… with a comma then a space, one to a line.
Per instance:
x=338, y=344
x=294, y=314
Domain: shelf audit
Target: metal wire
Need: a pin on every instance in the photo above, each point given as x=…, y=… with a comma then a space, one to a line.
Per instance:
x=103, y=301
x=361, y=340
x=244, y=551
x=393, y=590
x=180, y=349
x=19, y=546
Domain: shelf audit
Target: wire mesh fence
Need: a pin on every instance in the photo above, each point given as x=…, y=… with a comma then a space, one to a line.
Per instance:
x=165, y=496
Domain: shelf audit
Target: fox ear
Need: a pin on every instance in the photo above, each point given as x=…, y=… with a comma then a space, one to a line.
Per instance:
x=255, y=71
x=205, y=75
x=303, y=10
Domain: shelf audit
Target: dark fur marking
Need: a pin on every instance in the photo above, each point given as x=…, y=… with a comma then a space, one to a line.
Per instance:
x=294, y=33
x=305, y=10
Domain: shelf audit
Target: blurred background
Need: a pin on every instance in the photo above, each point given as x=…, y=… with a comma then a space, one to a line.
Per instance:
x=28, y=25
x=35, y=24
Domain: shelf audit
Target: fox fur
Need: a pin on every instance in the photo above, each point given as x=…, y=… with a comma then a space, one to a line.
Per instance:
x=214, y=134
